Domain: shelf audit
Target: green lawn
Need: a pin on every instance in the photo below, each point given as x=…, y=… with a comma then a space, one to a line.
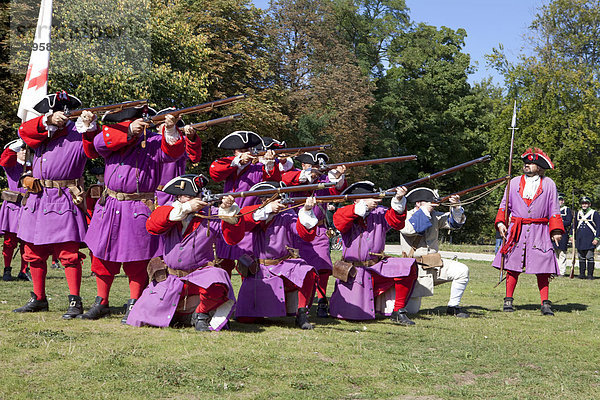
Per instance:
x=522, y=355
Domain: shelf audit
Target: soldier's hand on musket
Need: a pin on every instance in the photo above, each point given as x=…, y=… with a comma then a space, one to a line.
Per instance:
x=310, y=203
x=245, y=158
x=227, y=202
x=338, y=171
x=197, y=204
x=454, y=200
x=58, y=119
x=277, y=206
x=401, y=192
x=170, y=121
x=372, y=203
x=136, y=128
x=502, y=229
x=87, y=117
x=269, y=155
x=190, y=132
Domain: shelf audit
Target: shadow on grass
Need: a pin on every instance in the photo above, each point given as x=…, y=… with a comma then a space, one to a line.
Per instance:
x=568, y=307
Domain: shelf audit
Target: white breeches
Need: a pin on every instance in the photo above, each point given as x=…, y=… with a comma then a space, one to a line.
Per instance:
x=561, y=256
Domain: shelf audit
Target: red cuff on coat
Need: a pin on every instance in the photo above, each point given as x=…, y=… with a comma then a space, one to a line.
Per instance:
x=274, y=175
x=221, y=169
x=158, y=222
x=233, y=234
x=291, y=178
x=33, y=132
x=556, y=223
x=249, y=222
x=174, y=150
x=115, y=135
x=193, y=149
x=500, y=218
x=307, y=235
x=395, y=220
x=8, y=158
x=344, y=217
x=88, y=143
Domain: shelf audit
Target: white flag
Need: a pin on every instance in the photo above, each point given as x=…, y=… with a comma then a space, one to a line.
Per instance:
x=36, y=80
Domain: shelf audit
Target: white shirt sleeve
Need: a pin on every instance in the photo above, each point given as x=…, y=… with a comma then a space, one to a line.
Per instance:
x=361, y=208
x=179, y=211
x=338, y=179
x=171, y=135
x=50, y=128
x=458, y=214
x=289, y=164
x=83, y=128
x=307, y=218
x=399, y=205
x=229, y=214
x=263, y=213
x=236, y=163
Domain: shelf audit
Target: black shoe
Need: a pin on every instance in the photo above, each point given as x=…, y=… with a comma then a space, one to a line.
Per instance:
x=200, y=322
x=400, y=317
x=7, y=277
x=590, y=277
x=581, y=276
x=323, y=308
x=457, y=312
x=33, y=305
x=97, y=311
x=302, y=319
x=24, y=276
x=128, y=308
x=75, y=307
x=508, y=305
x=547, y=308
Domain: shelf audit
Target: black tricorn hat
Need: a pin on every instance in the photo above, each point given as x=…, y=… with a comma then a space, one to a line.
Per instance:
x=180, y=123
x=538, y=157
x=240, y=140
x=585, y=199
x=561, y=196
x=128, y=114
x=59, y=101
x=268, y=185
x=270, y=143
x=312, y=157
x=422, y=194
x=360, y=188
x=187, y=184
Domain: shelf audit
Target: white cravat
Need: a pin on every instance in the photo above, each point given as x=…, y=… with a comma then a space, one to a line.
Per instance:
x=531, y=186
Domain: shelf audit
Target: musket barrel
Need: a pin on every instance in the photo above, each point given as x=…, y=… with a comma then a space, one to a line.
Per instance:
x=375, y=161
x=475, y=188
x=199, y=108
x=200, y=126
x=287, y=189
x=109, y=108
x=447, y=171
x=293, y=150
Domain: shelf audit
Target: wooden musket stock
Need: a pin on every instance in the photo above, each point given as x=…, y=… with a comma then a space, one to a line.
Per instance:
x=108, y=109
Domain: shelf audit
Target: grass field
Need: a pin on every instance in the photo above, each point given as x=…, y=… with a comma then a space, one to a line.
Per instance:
x=497, y=355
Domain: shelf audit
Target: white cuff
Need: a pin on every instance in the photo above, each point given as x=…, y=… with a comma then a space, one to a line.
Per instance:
x=83, y=128
x=171, y=135
x=22, y=162
x=229, y=215
x=458, y=214
x=399, y=205
x=305, y=176
x=179, y=211
x=269, y=164
x=262, y=214
x=307, y=218
x=338, y=179
x=50, y=128
x=236, y=163
x=16, y=146
x=361, y=208
x=289, y=164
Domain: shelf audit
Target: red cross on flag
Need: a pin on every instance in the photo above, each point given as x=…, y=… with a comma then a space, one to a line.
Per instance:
x=36, y=80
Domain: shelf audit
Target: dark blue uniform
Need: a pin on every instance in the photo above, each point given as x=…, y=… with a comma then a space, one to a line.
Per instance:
x=567, y=218
x=587, y=225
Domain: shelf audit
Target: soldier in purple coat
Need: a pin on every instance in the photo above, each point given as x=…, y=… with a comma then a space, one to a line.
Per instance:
x=194, y=290
x=13, y=161
x=239, y=172
x=316, y=252
x=52, y=222
x=117, y=232
x=535, y=222
x=283, y=284
x=381, y=283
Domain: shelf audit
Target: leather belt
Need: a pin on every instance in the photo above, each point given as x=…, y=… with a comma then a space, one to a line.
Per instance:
x=366, y=263
x=273, y=261
x=130, y=196
x=51, y=183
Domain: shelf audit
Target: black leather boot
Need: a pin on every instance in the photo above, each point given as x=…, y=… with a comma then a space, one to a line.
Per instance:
x=33, y=305
x=590, y=270
x=582, y=268
x=75, y=307
x=547, y=308
x=457, y=312
x=7, y=277
x=200, y=322
x=97, y=311
x=399, y=317
x=128, y=308
x=323, y=308
x=508, y=305
x=24, y=276
x=302, y=319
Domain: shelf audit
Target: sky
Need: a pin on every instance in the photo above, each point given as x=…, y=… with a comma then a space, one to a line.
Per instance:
x=487, y=22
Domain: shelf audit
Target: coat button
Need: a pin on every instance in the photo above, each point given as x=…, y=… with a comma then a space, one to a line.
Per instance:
x=117, y=212
x=135, y=214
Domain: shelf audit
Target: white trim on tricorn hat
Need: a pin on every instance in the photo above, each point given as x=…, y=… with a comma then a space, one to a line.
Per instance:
x=14, y=144
x=312, y=157
x=128, y=114
x=538, y=157
x=270, y=143
x=58, y=101
x=187, y=184
x=360, y=187
x=268, y=185
x=240, y=140
x=422, y=194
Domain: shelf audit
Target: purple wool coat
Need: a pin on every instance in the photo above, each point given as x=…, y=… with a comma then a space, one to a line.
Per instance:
x=263, y=295
x=169, y=171
x=51, y=216
x=157, y=305
x=533, y=253
x=117, y=231
x=10, y=212
x=355, y=299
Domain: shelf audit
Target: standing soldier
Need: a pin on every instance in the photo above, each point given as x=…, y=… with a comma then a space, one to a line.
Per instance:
x=316, y=252
x=13, y=161
x=117, y=233
x=419, y=239
x=534, y=224
x=239, y=173
x=381, y=283
x=561, y=248
x=193, y=281
x=586, y=237
x=51, y=221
